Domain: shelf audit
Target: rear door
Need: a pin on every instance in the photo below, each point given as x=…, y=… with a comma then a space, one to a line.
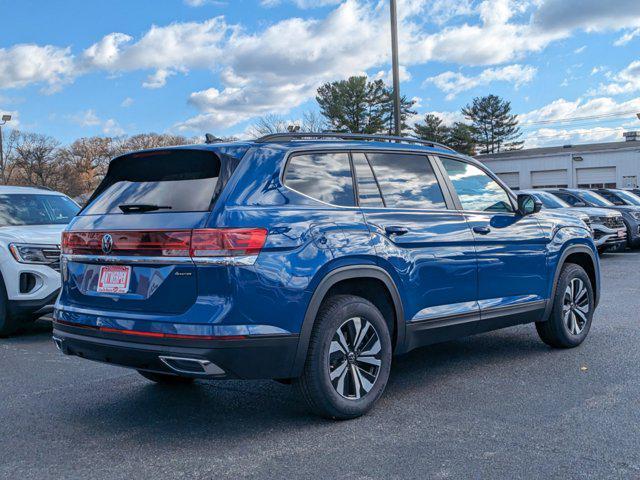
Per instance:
x=511, y=249
x=418, y=236
x=129, y=248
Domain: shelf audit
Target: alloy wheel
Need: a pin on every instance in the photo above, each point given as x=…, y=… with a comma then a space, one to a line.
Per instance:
x=355, y=358
x=575, y=308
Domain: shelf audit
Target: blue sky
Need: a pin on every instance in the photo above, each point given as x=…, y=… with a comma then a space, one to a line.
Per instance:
x=79, y=68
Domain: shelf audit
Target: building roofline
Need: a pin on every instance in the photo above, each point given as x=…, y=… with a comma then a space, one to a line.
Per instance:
x=569, y=149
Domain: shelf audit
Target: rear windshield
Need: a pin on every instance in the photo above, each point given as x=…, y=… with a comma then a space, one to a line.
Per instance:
x=166, y=181
x=34, y=209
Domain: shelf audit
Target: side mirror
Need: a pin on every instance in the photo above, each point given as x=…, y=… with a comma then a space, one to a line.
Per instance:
x=528, y=204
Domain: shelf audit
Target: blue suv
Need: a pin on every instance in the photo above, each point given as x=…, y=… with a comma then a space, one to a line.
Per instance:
x=312, y=259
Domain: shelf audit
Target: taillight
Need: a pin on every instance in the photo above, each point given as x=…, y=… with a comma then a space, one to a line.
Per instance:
x=211, y=242
x=227, y=242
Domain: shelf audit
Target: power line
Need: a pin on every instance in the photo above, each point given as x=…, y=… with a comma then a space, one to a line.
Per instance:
x=586, y=117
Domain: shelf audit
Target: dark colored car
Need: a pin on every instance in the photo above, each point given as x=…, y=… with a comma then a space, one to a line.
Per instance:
x=312, y=259
x=587, y=198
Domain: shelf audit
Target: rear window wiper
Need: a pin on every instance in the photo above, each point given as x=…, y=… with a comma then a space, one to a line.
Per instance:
x=141, y=207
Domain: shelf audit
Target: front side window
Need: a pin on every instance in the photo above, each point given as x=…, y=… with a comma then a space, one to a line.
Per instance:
x=594, y=199
x=549, y=200
x=33, y=209
x=322, y=176
x=628, y=197
x=477, y=190
x=407, y=181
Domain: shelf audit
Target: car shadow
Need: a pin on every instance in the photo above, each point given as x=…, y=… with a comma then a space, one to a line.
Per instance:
x=232, y=409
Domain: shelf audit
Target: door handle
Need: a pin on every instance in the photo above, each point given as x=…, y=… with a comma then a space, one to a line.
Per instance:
x=396, y=230
x=481, y=230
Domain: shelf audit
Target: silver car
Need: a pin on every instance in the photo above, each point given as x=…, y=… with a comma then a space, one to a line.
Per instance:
x=607, y=227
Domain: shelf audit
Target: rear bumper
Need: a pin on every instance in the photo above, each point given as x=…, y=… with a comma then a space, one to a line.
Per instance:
x=251, y=358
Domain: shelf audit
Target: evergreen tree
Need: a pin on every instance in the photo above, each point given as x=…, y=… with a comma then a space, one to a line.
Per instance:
x=460, y=137
x=432, y=129
x=495, y=127
x=354, y=105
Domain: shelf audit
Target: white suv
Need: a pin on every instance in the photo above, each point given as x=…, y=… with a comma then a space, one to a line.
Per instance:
x=31, y=223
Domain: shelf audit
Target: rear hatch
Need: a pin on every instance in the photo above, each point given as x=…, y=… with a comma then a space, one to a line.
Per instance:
x=129, y=248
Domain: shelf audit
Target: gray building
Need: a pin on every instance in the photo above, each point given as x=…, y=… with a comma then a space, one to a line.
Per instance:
x=613, y=164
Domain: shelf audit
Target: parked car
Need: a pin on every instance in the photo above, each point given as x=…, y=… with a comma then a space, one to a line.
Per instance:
x=31, y=224
x=312, y=259
x=619, y=196
x=586, y=198
x=607, y=227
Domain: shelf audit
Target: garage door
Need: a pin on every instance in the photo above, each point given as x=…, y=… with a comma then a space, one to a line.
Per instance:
x=512, y=179
x=596, y=177
x=550, y=179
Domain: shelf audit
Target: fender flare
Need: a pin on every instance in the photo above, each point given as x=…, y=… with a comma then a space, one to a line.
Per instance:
x=332, y=278
x=568, y=251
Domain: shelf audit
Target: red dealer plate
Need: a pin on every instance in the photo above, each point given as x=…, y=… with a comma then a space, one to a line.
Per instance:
x=114, y=279
x=622, y=233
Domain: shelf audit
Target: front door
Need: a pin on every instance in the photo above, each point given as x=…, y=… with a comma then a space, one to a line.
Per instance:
x=427, y=245
x=511, y=249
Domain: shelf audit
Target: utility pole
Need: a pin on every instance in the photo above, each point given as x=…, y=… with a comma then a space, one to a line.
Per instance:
x=396, y=68
x=5, y=119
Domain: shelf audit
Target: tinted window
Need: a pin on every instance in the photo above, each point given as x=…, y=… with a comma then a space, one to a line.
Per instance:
x=407, y=181
x=570, y=199
x=30, y=209
x=172, y=181
x=368, y=191
x=549, y=200
x=323, y=176
x=594, y=199
x=628, y=197
x=477, y=190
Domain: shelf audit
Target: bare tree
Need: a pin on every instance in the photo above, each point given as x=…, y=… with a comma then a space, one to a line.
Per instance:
x=37, y=161
x=269, y=124
x=86, y=160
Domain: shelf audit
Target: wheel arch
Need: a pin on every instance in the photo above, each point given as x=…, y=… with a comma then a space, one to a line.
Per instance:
x=334, y=279
x=585, y=257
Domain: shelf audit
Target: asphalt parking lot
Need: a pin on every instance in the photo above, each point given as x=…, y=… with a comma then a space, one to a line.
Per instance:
x=497, y=405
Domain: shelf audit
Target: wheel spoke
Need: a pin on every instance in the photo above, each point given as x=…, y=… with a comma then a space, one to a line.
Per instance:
x=574, y=324
x=363, y=334
x=582, y=316
x=374, y=350
x=366, y=384
x=582, y=295
x=338, y=370
x=370, y=360
x=336, y=347
x=355, y=378
x=341, y=381
x=357, y=328
x=342, y=340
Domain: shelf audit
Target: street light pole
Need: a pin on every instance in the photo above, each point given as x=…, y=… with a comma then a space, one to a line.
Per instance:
x=5, y=119
x=396, y=68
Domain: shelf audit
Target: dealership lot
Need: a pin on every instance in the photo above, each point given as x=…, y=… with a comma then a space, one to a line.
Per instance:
x=498, y=405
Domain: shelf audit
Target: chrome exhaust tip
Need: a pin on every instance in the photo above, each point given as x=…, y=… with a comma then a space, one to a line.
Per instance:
x=58, y=343
x=192, y=366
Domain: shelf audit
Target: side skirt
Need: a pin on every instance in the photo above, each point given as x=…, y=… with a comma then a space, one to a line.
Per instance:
x=450, y=328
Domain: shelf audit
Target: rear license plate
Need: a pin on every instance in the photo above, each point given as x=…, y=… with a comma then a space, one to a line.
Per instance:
x=621, y=233
x=114, y=279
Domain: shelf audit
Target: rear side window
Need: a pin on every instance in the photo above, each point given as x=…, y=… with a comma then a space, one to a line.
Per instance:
x=170, y=181
x=368, y=191
x=477, y=190
x=322, y=176
x=407, y=181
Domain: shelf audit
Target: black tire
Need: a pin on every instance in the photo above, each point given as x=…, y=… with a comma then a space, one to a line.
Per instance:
x=8, y=323
x=561, y=329
x=346, y=312
x=165, y=379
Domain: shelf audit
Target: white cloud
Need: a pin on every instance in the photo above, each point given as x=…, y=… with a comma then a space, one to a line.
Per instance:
x=561, y=108
x=158, y=79
x=625, y=81
x=25, y=64
x=127, y=102
x=89, y=118
x=387, y=75
x=553, y=136
x=453, y=83
x=588, y=15
x=627, y=37
x=580, y=49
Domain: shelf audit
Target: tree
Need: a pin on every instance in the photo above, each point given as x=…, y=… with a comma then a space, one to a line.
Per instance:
x=406, y=110
x=355, y=105
x=460, y=137
x=270, y=124
x=7, y=168
x=89, y=158
x=37, y=161
x=432, y=129
x=495, y=128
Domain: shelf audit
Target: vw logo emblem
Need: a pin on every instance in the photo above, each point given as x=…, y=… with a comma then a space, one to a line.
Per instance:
x=107, y=243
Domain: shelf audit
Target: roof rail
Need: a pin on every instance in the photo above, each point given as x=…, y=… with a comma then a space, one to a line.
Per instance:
x=287, y=137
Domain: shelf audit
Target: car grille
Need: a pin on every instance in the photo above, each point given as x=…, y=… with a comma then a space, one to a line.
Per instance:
x=609, y=222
